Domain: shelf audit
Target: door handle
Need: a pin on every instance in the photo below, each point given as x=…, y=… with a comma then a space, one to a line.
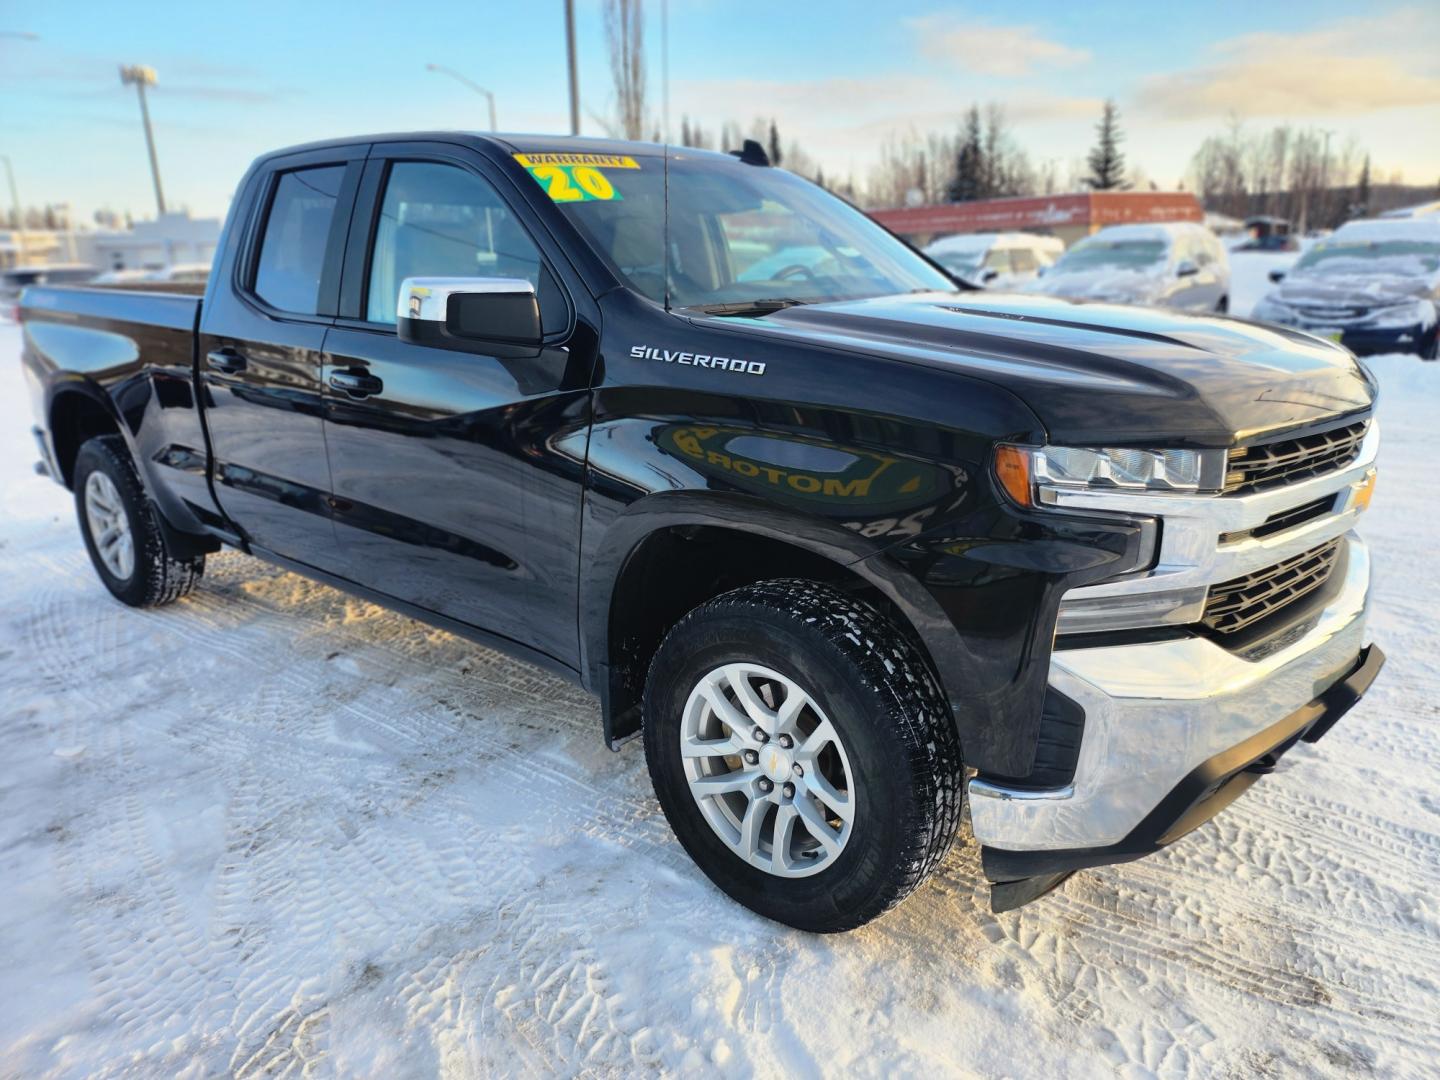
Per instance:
x=356, y=383
x=225, y=360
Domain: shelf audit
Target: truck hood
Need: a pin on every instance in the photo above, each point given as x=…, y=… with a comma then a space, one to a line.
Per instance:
x=1100, y=374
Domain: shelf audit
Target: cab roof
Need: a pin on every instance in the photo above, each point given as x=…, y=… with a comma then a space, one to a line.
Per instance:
x=511, y=143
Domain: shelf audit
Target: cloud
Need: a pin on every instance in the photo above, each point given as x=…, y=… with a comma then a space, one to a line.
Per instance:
x=1347, y=67
x=979, y=47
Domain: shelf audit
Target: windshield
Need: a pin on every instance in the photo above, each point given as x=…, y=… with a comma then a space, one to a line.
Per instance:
x=961, y=263
x=1098, y=253
x=1397, y=258
x=739, y=233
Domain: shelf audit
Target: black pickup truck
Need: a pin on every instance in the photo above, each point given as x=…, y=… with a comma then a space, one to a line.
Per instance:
x=847, y=543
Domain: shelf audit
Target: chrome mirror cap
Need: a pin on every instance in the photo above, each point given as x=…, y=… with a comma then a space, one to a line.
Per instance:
x=427, y=299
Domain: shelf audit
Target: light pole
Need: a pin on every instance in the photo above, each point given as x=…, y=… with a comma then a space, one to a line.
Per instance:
x=15, y=208
x=570, y=62
x=139, y=76
x=473, y=86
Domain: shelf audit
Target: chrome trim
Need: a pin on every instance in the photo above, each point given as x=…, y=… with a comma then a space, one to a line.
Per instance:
x=1191, y=554
x=1156, y=711
x=427, y=299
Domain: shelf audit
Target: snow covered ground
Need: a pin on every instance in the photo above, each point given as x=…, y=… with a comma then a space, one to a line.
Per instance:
x=274, y=830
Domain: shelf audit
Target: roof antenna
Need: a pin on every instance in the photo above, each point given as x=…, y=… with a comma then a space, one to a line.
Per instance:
x=752, y=153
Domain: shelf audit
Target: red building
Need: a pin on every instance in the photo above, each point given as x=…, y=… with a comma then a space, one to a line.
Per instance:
x=1067, y=216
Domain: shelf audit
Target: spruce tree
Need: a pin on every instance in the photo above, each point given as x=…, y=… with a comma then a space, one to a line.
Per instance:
x=774, y=150
x=969, y=181
x=1107, y=163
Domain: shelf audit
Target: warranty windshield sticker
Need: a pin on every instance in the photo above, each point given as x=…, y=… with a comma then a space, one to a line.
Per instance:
x=576, y=177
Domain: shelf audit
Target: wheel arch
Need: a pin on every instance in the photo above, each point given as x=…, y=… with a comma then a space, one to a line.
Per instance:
x=79, y=410
x=672, y=551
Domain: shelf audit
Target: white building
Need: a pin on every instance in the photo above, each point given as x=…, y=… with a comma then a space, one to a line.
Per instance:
x=151, y=245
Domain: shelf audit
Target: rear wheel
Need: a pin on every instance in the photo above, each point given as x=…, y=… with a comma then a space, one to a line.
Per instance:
x=802, y=753
x=122, y=531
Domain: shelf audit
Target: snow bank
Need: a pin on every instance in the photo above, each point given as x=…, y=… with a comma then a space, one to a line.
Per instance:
x=273, y=829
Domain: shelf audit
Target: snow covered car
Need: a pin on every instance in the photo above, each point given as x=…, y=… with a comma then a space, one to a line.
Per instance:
x=1179, y=265
x=1373, y=286
x=996, y=260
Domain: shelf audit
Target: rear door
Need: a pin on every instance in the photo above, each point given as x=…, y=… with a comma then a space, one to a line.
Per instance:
x=457, y=475
x=259, y=352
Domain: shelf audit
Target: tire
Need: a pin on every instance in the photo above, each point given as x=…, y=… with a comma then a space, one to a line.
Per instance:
x=108, y=492
x=1431, y=351
x=1222, y=306
x=895, y=748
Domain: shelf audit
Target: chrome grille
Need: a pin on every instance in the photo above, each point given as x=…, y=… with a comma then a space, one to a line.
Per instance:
x=1288, y=461
x=1233, y=605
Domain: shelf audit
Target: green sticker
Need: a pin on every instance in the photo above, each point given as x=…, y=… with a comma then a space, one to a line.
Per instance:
x=574, y=183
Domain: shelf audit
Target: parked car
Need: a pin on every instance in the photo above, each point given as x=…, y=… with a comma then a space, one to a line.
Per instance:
x=996, y=260
x=1268, y=233
x=844, y=548
x=1373, y=286
x=16, y=280
x=1180, y=265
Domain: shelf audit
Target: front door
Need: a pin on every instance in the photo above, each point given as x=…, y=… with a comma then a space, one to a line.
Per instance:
x=260, y=342
x=456, y=476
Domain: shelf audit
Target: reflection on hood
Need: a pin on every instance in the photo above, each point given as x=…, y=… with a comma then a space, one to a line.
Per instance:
x=1102, y=283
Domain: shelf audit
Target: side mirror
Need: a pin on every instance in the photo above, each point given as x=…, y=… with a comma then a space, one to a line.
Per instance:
x=990, y=275
x=470, y=314
x=1187, y=268
x=1277, y=276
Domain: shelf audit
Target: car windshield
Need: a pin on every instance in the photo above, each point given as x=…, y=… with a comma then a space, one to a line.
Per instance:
x=1099, y=253
x=1396, y=258
x=962, y=263
x=736, y=234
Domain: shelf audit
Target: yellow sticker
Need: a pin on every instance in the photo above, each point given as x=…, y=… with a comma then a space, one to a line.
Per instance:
x=595, y=161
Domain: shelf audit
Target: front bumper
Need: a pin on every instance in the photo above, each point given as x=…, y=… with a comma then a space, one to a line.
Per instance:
x=1167, y=725
x=1368, y=340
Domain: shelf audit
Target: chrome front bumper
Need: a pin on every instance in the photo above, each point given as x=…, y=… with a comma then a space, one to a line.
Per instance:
x=1156, y=711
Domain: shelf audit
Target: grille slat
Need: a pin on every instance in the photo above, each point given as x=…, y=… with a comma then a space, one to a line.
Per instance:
x=1233, y=605
x=1288, y=461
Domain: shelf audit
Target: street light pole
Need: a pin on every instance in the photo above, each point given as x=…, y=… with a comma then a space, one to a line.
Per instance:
x=473, y=86
x=15, y=208
x=139, y=76
x=570, y=61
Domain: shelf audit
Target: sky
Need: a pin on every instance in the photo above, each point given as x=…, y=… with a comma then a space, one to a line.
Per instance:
x=839, y=78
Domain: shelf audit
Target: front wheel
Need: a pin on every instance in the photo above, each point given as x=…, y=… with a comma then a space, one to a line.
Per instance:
x=122, y=531
x=802, y=753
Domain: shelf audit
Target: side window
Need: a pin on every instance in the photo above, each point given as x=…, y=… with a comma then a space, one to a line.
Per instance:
x=441, y=221
x=292, y=251
x=998, y=260
x=1023, y=260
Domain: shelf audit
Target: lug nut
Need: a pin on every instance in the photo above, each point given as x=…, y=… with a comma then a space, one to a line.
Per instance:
x=751, y=757
x=765, y=784
x=789, y=790
x=799, y=769
x=759, y=734
x=786, y=741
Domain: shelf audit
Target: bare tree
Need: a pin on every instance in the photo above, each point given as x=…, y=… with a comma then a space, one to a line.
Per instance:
x=625, y=33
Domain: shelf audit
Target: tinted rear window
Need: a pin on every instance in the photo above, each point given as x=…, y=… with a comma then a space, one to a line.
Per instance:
x=292, y=253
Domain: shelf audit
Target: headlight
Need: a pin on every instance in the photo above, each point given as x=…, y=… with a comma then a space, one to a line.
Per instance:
x=1032, y=475
x=1410, y=313
x=1268, y=309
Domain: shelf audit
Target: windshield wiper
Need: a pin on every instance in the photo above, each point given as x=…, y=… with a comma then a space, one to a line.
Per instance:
x=767, y=305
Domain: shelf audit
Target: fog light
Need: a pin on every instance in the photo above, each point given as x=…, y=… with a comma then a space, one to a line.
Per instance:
x=1131, y=611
